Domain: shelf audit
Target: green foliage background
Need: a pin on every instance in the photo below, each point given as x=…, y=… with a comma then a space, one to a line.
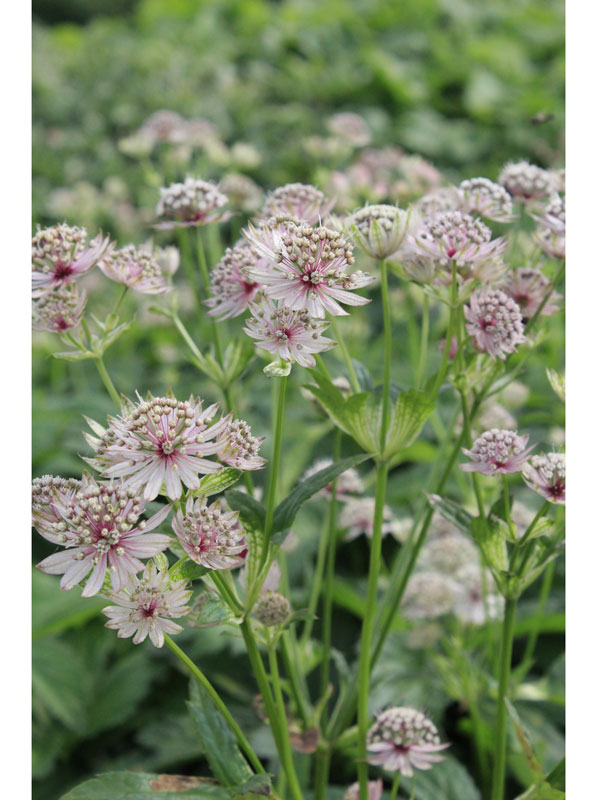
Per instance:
x=454, y=80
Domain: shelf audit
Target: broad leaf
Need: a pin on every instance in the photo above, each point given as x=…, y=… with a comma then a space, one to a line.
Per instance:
x=186, y=569
x=409, y=414
x=449, y=780
x=217, y=482
x=209, y=609
x=146, y=786
x=252, y=513
x=61, y=683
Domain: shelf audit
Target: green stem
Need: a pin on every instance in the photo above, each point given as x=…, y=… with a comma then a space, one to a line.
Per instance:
x=203, y=680
x=507, y=513
x=188, y=265
x=395, y=785
x=499, y=770
x=387, y=357
x=226, y=592
x=540, y=308
x=540, y=612
x=449, y=336
x=316, y=584
x=290, y=668
x=195, y=350
x=274, y=470
x=204, y=274
x=108, y=384
x=346, y=356
x=120, y=299
x=286, y=754
x=424, y=342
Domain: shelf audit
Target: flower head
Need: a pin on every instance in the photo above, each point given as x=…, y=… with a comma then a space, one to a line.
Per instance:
x=137, y=268
x=529, y=288
x=298, y=200
x=293, y=336
x=95, y=524
x=403, y=739
x=237, y=447
x=211, y=537
x=429, y=594
x=160, y=441
x=526, y=180
x=46, y=493
x=60, y=254
x=375, y=790
x=306, y=268
x=494, y=321
x=147, y=607
x=379, y=230
x=545, y=474
x=497, y=451
x=350, y=127
x=447, y=554
x=348, y=482
x=243, y=193
x=272, y=609
x=356, y=518
x=232, y=290
x=487, y=198
x=58, y=310
x=193, y=202
x=471, y=604
x=550, y=235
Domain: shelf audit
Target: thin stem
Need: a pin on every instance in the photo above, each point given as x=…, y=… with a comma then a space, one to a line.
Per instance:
x=540, y=612
x=286, y=754
x=108, y=384
x=346, y=356
x=216, y=333
x=540, y=308
x=424, y=342
x=507, y=513
x=499, y=770
x=226, y=592
x=449, y=336
x=186, y=336
x=316, y=584
x=387, y=357
x=203, y=680
x=290, y=668
x=274, y=471
x=188, y=264
x=395, y=785
x=120, y=299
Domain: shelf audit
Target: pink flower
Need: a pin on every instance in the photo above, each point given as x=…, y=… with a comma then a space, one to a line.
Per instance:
x=96, y=529
x=297, y=200
x=357, y=518
x=350, y=127
x=147, y=606
x=58, y=310
x=348, y=482
x=528, y=288
x=497, y=451
x=379, y=230
x=545, y=474
x=487, y=198
x=46, y=493
x=375, y=790
x=237, y=447
x=159, y=442
x=403, y=739
x=494, y=321
x=60, y=254
x=137, y=268
x=550, y=235
x=210, y=537
x=231, y=289
x=291, y=335
x=527, y=181
x=191, y=203
x=306, y=268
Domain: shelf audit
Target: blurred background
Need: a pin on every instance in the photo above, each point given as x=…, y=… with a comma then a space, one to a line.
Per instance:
x=447, y=89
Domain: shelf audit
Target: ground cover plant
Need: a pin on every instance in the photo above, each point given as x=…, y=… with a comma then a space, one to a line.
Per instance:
x=299, y=471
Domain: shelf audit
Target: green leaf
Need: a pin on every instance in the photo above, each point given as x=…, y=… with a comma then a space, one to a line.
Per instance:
x=256, y=786
x=186, y=569
x=278, y=369
x=146, y=786
x=55, y=610
x=526, y=747
x=61, y=684
x=236, y=358
x=453, y=512
x=226, y=761
x=286, y=511
x=217, y=482
x=410, y=413
x=491, y=540
x=557, y=777
x=209, y=609
x=115, y=333
x=252, y=513
x=73, y=355
x=449, y=780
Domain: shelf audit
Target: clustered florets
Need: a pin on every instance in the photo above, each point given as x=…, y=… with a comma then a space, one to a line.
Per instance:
x=494, y=321
x=237, y=447
x=487, y=198
x=297, y=200
x=402, y=739
x=527, y=181
x=379, y=229
x=545, y=474
x=135, y=267
x=272, y=609
x=193, y=202
x=59, y=310
x=497, y=451
x=211, y=537
x=232, y=290
x=60, y=254
x=529, y=288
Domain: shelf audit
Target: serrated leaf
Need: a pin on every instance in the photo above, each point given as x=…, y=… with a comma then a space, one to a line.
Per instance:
x=209, y=609
x=217, y=482
x=186, y=569
x=452, y=511
x=226, y=761
x=492, y=543
x=286, y=511
x=409, y=414
x=146, y=786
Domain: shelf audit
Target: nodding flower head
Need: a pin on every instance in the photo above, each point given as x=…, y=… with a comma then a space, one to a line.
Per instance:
x=158, y=442
x=61, y=254
x=148, y=606
x=402, y=740
x=298, y=200
x=58, y=310
x=231, y=288
x=97, y=525
x=210, y=536
x=528, y=288
x=545, y=474
x=494, y=321
x=191, y=203
x=379, y=230
x=527, y=181
x=496, y=452
x=487, y=198
x=138, y=268
x=292, y=336
x=237, y=447
x=306, y=268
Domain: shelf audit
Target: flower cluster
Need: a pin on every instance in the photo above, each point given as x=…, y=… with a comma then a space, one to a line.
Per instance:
x=487, y=198
x=297, y=200
x=529, y=288
x=527, y=181
x=545, y=474
x=497, y=452
x=231, y=288
x=59, y=310
x=138, y=268
x=211, y=537
x=193, y=202
x=550, y=234
x=402, y=740
x=61, y=254
x=494, y=321
x=378, y=230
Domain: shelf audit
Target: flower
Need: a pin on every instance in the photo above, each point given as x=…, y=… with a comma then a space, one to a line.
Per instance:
x=497, y=451
x=350, y=127
x=58, y=310
x=46, y=492
x=440, y=200
x=243, y=193
x=211, y=537
x=167, y=259
x=163, y=126
x=231, y=289
x=237, y=447
x=493, y=415
x=378, y=230
x=545, y=474
x=529, y=288
x=448, y=554
x=60, y=254
x=306, y=268
x=526, y=180
x=375, y=790
x=291, y=335
x=487, y=198
x=272, y=609
x=193, y=202
x=469, y=603
x=403, y=739
x=137, y=268
x=429, y=594
x=550, y=235
x=494, y=321
x=297, y=200
x=95, y=526
x=348, y=482
x=147, y=606
x=159, y=441
x=357, y=517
